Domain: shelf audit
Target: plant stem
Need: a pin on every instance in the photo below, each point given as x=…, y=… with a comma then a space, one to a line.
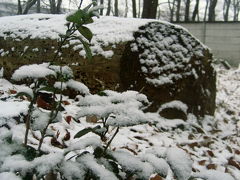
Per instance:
x=52, y=116
x=30, y=109
x=108, y=144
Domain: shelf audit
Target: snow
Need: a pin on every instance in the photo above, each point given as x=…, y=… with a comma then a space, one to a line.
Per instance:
x=12, y=109
x=9, y=175
x=213, y=175
x=173, y=46
x=180, y=163
x=174, y=104
x=133, y=164
x=100, y=172
x=34, y=71
x=78, y=86
x=107, y=30
x=143, y=149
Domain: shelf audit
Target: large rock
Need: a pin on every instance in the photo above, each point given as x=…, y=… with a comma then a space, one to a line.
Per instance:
x=161, y=60
x=166, y=63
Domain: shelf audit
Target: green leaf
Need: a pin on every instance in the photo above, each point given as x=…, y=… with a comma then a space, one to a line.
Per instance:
x=24, y=94
x=83, y=132
x=87, y=49
x=80, y=17
x=86, y=32
x=76, y=17
x=102, y=93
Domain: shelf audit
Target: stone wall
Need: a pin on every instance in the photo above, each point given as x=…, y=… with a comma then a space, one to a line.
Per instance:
x=222, y=38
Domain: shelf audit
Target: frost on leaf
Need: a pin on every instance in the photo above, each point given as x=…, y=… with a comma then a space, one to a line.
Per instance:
x=180, y=163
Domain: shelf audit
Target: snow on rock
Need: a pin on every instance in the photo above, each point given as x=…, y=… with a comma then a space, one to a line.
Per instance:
x=174, y=104
x=167, y=63
x=34, y=71
x=213, y=175
x=180, y=163
x=107, y=30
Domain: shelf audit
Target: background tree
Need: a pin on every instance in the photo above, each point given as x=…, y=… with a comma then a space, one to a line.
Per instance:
x=108, y=8
x=38, y=6
x=187, y=10
x=115, y=7
x=226, y=7
x=134, y=8
x=196, y=11
x=178, y=10
x=27, y=5
x=150, y=9
x=211, y=10
x=101, y=10
x=55, y=6
x=171, y=6
x=236, y=9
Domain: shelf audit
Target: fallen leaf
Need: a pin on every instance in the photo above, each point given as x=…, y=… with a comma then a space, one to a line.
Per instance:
x=67, y=136
x=68, y=119
x=212, y=166
x=156, y=177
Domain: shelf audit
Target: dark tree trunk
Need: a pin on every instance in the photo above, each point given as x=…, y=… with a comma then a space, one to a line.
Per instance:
x=187, y=10
x=171, y=6
x=59, y=5
x=211, y=11
x=195, y=11
x=178, y=10
x=101, y=10
x=205, y=13
x=139, y=8
x=226, y=7
x=108, y=8
x=28, y=5
x=52, y=6
x=19, y=7
x=115, y=7
x=150, y=9
x=236, y=9
x=134, y=8
x=38, y=6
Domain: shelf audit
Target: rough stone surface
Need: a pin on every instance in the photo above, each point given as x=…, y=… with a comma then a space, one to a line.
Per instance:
x=98, y=74
x=166, y=63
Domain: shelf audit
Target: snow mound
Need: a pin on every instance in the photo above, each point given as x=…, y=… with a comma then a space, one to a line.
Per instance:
x=34, y=71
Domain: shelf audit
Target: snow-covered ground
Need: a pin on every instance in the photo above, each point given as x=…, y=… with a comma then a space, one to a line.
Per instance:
x=212, y=142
